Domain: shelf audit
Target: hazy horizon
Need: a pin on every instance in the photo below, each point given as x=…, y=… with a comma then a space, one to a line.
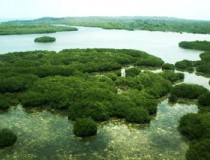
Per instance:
x=24, y=9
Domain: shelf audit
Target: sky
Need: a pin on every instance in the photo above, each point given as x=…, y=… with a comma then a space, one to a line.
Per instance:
x=20, y=9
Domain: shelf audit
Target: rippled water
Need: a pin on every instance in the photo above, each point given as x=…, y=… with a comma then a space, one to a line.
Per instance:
x=43, y=135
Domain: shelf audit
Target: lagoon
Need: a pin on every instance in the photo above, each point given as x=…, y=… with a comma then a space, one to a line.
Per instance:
x=46, y=135
x=160, y=44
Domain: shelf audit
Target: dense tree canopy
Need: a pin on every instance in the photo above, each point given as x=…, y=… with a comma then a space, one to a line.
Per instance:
x=85, y=127
x=44, y=39
x=127, y=23
x=7, y=138
x=197, y=45
x=190, y=91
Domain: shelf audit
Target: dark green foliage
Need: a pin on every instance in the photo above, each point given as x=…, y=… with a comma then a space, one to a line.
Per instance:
x=85, y=127
x=185, y=65
x=149, y=82
x=195, y=126
x=7, y=138
x=133, y=23
x=63, y=81
x=204, y=99
x=190, y=91
x=172, y=76
x=70, y=62
x=173, y=98
x=153, y=62
x=45, y=39
x=205, y=69
x=7, y=100
x=197, y=45
x=199, y=150
x=190, y=126
x=205, y=57
x=137, y=115
x=204, y=65
x=128, y=23
x=132, y=72
x=21, y=28
x=168, y=66
x=142, y=100
x=16, y=83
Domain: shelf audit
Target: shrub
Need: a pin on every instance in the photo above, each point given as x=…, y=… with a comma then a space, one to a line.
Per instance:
x=45, y=39
x=199, y=150
x=168, y=66
x=204, y=99
x=153, y=62
x=138, y=115
x=197, y=45
x=185, y=65
x=191, y=91
x=7, y=138
x=17, y=83
x=132, y=72
x=173, y=98
x=7, y=100
x=172, y=76
x=195, y=126
x=85, y=127
x=190, y=126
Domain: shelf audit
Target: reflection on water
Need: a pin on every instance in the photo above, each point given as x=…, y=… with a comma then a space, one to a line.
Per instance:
x=43, y=135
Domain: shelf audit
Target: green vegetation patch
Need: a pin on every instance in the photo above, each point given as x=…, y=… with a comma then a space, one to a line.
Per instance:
x=190, y=91
x=7, y=138
x=204, y=99
x=168, y=66
x=31, y=28
x=45, y=39
x=85, y=127
x=138, y=115
x=43, y=25
x=172, y=76
x=185, y=65
x=196, y=45
x=72, y=61
x=202, y=66
x=199, y=150
x=84, y=83
x=7, y=100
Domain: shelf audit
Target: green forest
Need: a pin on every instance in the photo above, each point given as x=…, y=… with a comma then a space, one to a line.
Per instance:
x=202, y=66
x=196, y=45
x=84, y=84
x=195, y=127
x=30, y=28
x=45, y=39
x=43, y=25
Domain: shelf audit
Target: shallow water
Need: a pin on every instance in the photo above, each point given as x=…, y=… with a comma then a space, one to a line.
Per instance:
x=43, y=135
x=160, y=44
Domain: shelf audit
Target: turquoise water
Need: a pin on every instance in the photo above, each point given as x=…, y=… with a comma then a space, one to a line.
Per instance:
x=45, y=135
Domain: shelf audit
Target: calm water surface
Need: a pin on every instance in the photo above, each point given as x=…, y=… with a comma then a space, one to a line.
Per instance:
x=161, y=44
